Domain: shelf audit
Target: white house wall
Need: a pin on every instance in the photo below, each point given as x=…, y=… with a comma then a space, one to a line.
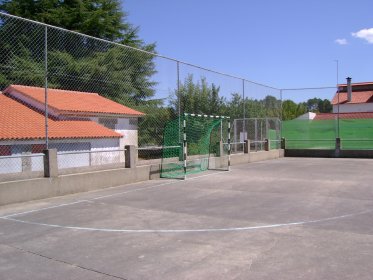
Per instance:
x=130, y=137
x=353, y=108
x=94, y=157
x=71, y=153
x=21, y=164
x=108, y=144
x=123, y=126
x=129, y=132
x=307, y=116
x=37, y=163
x=10, y=165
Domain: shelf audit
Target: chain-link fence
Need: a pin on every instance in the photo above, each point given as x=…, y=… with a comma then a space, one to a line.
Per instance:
x=308, y=118
x=315, y=117
x=89, y=98
x=257, y=130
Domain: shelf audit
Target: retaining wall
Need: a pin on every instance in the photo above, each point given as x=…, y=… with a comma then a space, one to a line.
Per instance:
x=39, y=188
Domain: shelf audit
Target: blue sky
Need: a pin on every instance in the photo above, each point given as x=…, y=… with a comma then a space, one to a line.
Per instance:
x=285, y=44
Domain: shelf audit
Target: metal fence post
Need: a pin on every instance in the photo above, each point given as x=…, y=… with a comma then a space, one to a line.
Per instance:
x=337, y=146
x=267, y=129
x=256, y=134
x=220, y=150
x=46, y=84
x=280, y=119
x=280, y=115
x=244, y=107
x=178, y=97
x=246, y=148
x=185, y=148
x=283, y=143
x=235, y=138
x=229, y=143
x=337, y=100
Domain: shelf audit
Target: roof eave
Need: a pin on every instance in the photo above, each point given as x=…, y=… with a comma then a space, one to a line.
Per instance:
x=99, y=114
x=57, y=138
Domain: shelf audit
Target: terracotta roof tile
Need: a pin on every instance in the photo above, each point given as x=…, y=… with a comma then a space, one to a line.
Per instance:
x=357, y=97
x=18, y=121
x=357, y=84
x=332, y=116
x=74, y=101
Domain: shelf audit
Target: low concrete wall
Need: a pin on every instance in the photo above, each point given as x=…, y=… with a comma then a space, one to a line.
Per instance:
x=21, y=176
x=25, y=190
x=262, y=155
x=329, y=153
x=356, y=153
x=256, y=156
x=310, y=153
x=39, y=188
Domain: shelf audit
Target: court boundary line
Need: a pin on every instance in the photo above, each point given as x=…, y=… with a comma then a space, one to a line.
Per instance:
x=105, y=196
x=234, y=229
x=198, y=230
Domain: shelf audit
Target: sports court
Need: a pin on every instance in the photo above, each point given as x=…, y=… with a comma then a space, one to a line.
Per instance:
x=291, y=218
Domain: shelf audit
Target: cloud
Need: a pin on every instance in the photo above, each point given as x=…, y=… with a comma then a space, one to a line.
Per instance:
x=365, y=34
x=341, y=41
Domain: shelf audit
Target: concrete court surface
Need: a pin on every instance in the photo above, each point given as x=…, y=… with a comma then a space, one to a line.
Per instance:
x=291, y=218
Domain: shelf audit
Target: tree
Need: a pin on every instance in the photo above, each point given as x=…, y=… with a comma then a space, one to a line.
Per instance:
x=98, y=18
x=318, y=105
x=82, y=63
x=289, y=110
x=272, y=105
x=292, y=110
x=234, y=107
x=325, y=106
x=76, y=62
x=197, y=97
x=301, y=109
x=313, y=104
x=150, y=129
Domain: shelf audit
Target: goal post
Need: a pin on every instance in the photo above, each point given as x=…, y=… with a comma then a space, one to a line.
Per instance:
x=194, y=143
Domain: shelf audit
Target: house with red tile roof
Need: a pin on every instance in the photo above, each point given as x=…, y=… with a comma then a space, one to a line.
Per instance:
x=343, y=116
x=357, y=106
x=68, y=104
x=360, y=101
x=77, y=121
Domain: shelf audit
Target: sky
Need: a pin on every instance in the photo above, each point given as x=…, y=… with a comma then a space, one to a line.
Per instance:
x=284, y=44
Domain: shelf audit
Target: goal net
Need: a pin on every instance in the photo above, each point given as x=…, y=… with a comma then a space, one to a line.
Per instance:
x=194, y=143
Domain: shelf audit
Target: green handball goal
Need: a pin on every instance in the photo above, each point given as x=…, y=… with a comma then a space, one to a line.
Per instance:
x=193, y=143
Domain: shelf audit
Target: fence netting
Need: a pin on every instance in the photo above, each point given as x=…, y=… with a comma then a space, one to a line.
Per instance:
x=195, y=143
x=313, y=118
x=89, y=98
x=257, y=130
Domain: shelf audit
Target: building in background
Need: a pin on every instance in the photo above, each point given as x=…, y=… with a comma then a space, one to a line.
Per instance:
x=81, y=126
x=70, y=105
x=361, y=99
x=307, y=116
x=358, y=105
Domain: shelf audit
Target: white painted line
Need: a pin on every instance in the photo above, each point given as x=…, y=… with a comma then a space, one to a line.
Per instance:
x=135, y=190
x=191, y=230
x=101, y=197
x=42, y=209
x=81, y=201
x=210, y=174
